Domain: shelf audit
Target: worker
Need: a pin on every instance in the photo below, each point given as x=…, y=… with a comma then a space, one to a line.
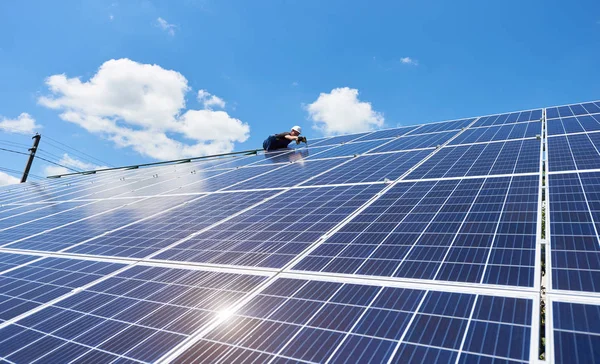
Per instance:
x=281, y=140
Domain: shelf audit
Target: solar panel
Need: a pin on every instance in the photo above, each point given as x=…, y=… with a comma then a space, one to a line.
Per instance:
x=424, y=243
x=574, y=152
x=509, y=157
x=315, y=321
x=275, y=232
x=472, y=230
x=574, y=335
x=137, y=315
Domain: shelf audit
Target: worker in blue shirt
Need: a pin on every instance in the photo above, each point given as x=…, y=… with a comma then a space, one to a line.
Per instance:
x=281, y=140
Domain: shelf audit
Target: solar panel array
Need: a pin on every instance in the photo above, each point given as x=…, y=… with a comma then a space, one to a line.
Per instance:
x=415, y=244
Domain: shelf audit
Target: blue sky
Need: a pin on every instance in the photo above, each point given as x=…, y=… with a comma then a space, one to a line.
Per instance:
x=132, y=70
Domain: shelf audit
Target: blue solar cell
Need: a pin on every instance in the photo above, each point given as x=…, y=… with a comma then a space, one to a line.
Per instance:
x=84, y=223
x=495, y=133
x=516, y=117
x=9, y=261
x=574, y=124
x=416, y=142
x=341, y=326
x=474, y=230
x=388, y=133
x=576, y=332
x=443, y=126
x=371, y=168
x=349, y=149
x=39, y=282
x=273, y=233
x=337, y=140
x=138, y=315
x=224, y=180
x=574, y=152
x=149, y=236
x=290, y=175
x=574, y=221
x=519, y=156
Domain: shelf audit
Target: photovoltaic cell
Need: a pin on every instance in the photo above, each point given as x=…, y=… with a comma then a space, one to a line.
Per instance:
x=8, y=260
x=577, y=124
x=337, y=140
x=371, y=168
x=476, y=230
x=312, y=321
x=444, y=126
x=42, y=281
x=87, y=223
x=136, y=316
x=571, y=110
x=349, y=149
x=574, y=222
x=275, y=232
x=149, y=236
x=495, y=133
x=416, y=142
x=515, y=117
x=519, y=156
x=576, y=332
x=574, y=152
x=290, y=175
x=388, y=133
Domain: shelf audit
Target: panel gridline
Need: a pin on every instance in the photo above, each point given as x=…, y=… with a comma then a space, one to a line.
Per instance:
x=476, y=230
x=572, y=110
x=296, y=320
x=574, y=152
x=575, y=124
x=39, y=282
x=416, y=142
x=576, y=332
x=511, y=157
x=290, y=175
x=91, y=226
x=149, y=236
x=515, y=117
x=371, y=168
x=9, y=260
x=574, y=222
x=136, y=316
x=275, y=232
x=496, y=133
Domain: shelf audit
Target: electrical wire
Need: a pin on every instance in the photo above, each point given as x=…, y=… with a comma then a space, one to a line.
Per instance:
x=19, y=173
x=42, y=158
x=95, y=160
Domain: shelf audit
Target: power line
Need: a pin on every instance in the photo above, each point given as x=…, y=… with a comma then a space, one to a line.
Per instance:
x=44, y=159
x=96, y=160
x=18, y=173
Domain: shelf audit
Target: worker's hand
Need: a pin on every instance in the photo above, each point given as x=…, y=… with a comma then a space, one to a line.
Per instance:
x=301, y=139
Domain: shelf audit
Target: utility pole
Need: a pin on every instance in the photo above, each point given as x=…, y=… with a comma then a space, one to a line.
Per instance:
x=36, y=141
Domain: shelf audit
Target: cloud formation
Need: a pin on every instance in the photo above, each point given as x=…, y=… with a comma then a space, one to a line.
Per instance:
x=23, y=124
x=409, y=61
x=341, y=112
x=164, y=25
x=7, y=179
x=209, y=100
x=142, y=106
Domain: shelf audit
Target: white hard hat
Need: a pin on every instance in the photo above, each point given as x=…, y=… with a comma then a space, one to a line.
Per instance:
x=297, y=128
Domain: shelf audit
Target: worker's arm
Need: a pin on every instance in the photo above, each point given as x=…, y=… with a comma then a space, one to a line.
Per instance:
x=291, y=137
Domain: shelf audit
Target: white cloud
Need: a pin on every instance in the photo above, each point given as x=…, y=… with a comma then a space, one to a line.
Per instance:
x=7, y=179
x=341, y=112
x=164, y=25
x=209, y=100
x=23, y=124
x=71, y=162
x=409, y=61
x=142, y=106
